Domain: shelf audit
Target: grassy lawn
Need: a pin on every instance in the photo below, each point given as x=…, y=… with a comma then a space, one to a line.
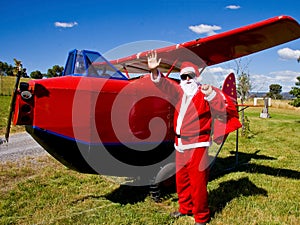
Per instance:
x=4, y=111
x=6, y=89
x=7, y=84
x=263, y=189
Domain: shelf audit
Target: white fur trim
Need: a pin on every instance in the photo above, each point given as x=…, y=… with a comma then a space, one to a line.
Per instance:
x=182, y=148
x=210, y=96
x=187, y=70
x=157, y=79
x=185, y=101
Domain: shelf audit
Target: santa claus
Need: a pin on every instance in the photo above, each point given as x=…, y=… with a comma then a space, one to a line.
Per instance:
x=197, y=107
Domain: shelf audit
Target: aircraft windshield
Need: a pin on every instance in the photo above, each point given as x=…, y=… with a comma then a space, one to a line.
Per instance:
x=91, y=64
x=98, y=66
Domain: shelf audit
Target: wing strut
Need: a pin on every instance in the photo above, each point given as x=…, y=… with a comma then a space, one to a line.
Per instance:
x=126, y=71
x=171, y=68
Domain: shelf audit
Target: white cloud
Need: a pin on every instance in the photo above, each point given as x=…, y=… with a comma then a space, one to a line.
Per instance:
x=65, y=25
x=205, y=29
x=233, y=7
x=285, y=78
x=260, y=82
x=219, y=70
x=287, y=53
x=216, y=75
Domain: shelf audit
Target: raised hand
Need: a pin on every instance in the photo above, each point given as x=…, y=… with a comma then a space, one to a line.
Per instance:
x=153, y=63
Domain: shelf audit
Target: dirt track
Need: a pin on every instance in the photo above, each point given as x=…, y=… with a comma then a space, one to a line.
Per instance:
x=20, y=145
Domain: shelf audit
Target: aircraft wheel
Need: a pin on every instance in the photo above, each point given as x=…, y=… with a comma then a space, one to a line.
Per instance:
x=164, y=182
x=166, y=175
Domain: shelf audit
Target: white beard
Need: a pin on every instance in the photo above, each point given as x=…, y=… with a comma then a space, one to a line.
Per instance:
x=189, y=87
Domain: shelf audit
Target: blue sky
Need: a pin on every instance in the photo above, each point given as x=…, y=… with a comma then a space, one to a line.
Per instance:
x=41, y=33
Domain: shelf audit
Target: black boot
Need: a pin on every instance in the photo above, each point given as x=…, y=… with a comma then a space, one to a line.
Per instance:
x=178, y=214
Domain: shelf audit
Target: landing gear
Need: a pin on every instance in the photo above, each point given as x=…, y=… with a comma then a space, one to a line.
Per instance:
x=164, y=182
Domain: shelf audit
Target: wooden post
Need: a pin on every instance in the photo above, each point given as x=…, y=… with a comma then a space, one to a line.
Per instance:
x=265, y=111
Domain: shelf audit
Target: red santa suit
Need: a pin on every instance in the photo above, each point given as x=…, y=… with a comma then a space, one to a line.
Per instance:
x=193, y=123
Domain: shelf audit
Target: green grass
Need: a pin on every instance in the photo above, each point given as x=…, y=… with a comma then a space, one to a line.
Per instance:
x=4, y=112
x=7, y=85
x=6, y=89
x=263, y=189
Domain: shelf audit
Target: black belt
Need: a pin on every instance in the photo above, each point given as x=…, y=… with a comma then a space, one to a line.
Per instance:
x=180, y=136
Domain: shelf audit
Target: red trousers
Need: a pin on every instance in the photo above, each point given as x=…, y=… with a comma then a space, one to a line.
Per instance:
x=191, y=183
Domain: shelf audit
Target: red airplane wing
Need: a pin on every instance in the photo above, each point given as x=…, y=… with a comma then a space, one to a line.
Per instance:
x=220, y=47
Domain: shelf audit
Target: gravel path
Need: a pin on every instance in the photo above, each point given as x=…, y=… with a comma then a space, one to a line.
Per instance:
x=20, y=145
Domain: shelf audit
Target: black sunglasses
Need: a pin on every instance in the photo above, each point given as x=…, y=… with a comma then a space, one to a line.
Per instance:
x=185, y=76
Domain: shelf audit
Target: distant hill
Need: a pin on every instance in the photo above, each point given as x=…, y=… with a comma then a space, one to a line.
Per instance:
x=285, y=95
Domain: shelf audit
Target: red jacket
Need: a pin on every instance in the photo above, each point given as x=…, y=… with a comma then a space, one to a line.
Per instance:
x=200, y=119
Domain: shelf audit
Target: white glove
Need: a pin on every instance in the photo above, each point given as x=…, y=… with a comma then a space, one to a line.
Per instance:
x=153, y=63
x=206, y=89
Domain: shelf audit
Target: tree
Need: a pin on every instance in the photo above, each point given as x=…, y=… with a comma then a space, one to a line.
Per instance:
x=24, y=73
x=274, y=91
x=243, y=89
x=36, y=74
x=56, y=71
x=6, y=70
x=296, y=93
x=244, y=86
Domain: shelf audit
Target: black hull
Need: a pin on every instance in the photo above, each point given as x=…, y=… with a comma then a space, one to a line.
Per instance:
x=108, y=159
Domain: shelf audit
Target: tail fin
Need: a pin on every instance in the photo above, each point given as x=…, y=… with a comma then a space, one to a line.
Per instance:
x=229, y=87
x=232, y=121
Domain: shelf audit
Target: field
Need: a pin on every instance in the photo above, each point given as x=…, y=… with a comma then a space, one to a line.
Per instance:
x=7, y=85
x=263, y=189
x=6, y=90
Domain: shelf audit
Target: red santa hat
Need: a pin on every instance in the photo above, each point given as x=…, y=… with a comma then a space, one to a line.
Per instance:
x=190, y=69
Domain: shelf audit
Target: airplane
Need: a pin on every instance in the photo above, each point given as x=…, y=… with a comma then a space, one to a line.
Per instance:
x=99, y=119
